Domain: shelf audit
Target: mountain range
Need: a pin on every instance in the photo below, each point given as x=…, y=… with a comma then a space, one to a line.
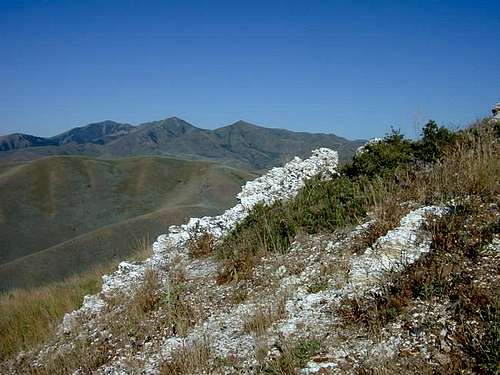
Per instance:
x=241, y=144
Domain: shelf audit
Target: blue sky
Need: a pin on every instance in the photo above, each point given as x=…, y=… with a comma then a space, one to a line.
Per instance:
x=344, y=67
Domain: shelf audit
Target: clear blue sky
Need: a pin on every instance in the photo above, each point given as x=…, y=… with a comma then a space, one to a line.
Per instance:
x=353, y=68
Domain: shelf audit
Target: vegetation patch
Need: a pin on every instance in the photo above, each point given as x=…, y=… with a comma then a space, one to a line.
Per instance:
x=294, y=357
x=147, y=295
x=450, y=272
x=385, y=177
x=178, y=312
x=189, y=359
x=83, y=355
x=382, y=170
x=200, y=244
x=29, y=317
x=320, y=206
x=264, y=317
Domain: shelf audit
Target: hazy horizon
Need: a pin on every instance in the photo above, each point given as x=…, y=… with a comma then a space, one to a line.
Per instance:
x=353, y=70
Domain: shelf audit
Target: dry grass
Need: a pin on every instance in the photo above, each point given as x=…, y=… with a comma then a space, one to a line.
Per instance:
x=180, y=314
x=83, y=356
x=368, y=237
x=468, y=175
x=471, y=168
x=294, y=357
x=333, y=270
x=188, y=360
x=127, y=321
x=141, y=248
x=238, y=295
x=200, y=244
x=131, y=320
x=29, y=317
x=264, y=317
x=147, y=296
x=449, y=271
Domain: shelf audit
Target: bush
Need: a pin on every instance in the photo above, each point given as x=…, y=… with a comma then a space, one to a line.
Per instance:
x=394, y=152
x=328, y=205
x=293, y=358
x=382, y=158
x=435, y=141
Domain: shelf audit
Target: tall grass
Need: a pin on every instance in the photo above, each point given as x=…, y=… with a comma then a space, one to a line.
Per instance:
x=132, y=318
x=320, y=206
x=29, y=316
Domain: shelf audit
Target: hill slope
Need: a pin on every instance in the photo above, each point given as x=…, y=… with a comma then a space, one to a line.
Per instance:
x=76, y=211
x=390, y=265
x=241, y=144
x=19, y=141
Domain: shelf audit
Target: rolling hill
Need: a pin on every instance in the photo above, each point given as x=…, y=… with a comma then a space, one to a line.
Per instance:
x=63, y=214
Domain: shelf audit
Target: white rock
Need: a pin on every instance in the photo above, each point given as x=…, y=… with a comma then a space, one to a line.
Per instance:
x=372, y=141
x=496, y=112
x=278, y=184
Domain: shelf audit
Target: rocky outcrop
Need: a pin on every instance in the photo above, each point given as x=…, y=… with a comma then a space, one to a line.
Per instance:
x=372, y=141
x=278, y=184
x=496, y=111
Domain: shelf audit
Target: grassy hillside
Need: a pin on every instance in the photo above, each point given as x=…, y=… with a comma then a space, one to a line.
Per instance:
x=61, y=214
x=30, y=315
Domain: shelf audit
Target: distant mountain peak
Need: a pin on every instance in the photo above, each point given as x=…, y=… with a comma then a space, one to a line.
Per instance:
x=17, y=141
x=97, y=132
x=244, y=123
x=172, y=121
x=176, y=119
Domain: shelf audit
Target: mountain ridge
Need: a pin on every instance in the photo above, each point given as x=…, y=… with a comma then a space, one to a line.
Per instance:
x=240, y=144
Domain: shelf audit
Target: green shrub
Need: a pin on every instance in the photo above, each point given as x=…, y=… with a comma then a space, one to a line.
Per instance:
x=328, y=205
x=394, y=152
x=435, y=140
x=382, y=158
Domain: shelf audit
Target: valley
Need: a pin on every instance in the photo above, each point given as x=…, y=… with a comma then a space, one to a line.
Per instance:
x=61, y=215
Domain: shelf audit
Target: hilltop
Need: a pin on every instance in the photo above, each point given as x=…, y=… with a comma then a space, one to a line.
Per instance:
x=241, y=144
x=387, y=264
